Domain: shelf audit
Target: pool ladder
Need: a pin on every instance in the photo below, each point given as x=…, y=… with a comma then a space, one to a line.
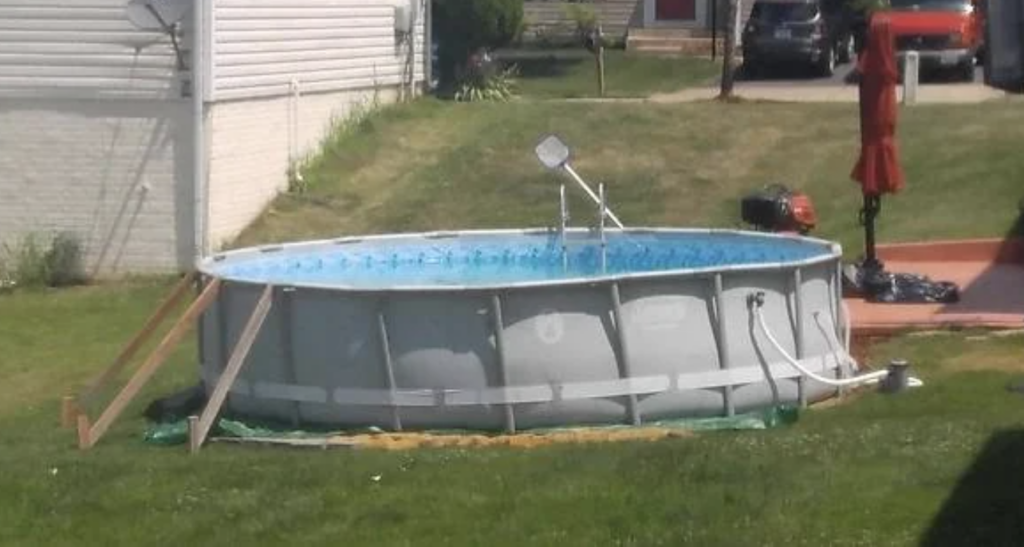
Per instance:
x=603, y=214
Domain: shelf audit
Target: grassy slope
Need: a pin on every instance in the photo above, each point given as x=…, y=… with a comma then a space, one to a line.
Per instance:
x=574, y=74
x=873, y=472
x=435, y=165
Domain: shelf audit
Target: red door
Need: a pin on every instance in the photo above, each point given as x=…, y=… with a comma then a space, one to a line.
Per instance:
x=675, y=10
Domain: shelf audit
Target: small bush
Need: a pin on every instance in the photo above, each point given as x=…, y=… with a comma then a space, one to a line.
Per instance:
x=485, y=81
x=35, y=262
x=26, y=261
x=469, y=27
x=584, y=19
x=64, y=261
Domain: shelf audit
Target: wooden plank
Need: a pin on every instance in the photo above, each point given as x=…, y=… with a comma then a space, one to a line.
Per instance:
x=84, y=431
x=68, y=412
x=135, y=344
x=152, y=363
x=198, y=429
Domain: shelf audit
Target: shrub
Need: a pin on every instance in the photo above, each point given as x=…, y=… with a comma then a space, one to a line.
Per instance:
x=584, y=19
x=468, y=27
x=35, y=262
x=63, y=261
x=26, y=261
x=486, y=82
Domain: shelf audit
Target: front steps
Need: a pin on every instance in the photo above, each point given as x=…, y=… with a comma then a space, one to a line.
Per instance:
x=672, y=41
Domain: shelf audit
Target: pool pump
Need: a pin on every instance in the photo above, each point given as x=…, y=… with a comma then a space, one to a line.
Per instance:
x=776, y=208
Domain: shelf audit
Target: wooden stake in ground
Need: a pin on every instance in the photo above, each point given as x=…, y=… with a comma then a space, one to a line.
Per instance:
x=728, y=51
x=89, y=434
x=72, y=405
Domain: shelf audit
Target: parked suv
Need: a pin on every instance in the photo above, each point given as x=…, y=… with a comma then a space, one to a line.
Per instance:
x=815, y=33
x=947, y=34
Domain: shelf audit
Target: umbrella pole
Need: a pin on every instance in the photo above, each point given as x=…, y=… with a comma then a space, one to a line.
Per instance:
x=872, y=205
x=873, y=275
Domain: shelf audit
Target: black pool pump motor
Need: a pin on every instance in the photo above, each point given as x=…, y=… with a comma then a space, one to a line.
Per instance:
x=776, y=208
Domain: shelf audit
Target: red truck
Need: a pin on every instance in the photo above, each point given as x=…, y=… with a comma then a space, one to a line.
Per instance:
x=947, y=34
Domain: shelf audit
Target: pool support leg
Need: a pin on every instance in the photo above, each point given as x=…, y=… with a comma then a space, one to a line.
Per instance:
x=624, y=368
x=389, y=370
x=221, y=306
x=839, y=320
x=499, y=347
x=718, y=326
x=287, y=332
x=801, y=350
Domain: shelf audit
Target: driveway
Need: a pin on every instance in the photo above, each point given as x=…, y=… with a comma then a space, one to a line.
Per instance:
x=793, y=86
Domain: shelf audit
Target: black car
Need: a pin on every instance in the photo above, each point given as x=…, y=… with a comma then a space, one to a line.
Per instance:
x=818, y=34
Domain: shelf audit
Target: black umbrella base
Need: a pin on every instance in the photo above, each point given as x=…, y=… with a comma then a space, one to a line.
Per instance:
x=870, y=281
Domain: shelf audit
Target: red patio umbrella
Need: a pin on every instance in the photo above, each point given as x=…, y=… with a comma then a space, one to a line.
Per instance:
x=878, y=169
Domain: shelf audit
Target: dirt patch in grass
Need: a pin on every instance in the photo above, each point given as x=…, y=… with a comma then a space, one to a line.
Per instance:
x=407, y=441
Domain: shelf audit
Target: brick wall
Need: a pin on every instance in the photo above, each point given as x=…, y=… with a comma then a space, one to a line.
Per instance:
x=250, y=145
x=116, y=173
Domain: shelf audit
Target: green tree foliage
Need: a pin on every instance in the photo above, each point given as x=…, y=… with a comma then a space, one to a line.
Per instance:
x=463, y=27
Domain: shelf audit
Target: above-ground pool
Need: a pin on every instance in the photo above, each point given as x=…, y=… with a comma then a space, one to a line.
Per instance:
x=527, y=328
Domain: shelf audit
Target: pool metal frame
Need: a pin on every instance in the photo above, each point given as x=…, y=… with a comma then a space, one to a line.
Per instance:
x=508, y=396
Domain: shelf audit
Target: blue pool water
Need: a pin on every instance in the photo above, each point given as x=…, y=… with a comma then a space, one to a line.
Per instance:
x=502, y=258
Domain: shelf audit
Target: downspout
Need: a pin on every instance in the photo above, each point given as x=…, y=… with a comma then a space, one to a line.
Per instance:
x=428, y=49
x=199, y=171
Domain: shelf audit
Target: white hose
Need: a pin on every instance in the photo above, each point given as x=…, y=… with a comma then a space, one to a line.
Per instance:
x=869, y=377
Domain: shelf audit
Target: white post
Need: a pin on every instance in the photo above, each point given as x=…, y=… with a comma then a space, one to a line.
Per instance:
x=911, y=68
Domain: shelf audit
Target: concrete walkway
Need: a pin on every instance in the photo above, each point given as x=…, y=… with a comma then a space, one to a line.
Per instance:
x=926, y=94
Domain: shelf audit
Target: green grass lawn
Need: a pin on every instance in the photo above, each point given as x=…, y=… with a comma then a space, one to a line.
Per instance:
x=573, y=73
x=437, y=165
x=875, y=471
x=943, y=459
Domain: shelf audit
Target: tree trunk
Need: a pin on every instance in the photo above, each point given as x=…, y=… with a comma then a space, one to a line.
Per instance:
x=728, y=51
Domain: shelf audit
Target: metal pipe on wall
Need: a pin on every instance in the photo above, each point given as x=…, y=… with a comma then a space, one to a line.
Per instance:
x=200, y=203
x=428, y=49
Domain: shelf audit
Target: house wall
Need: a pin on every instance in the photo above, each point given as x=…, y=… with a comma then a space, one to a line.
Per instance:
x=282, y=71
x=549, y=21
x=250, y=149
x=94, y=137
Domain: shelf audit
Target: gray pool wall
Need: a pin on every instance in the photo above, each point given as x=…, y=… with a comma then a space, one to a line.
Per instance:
x=627, y=349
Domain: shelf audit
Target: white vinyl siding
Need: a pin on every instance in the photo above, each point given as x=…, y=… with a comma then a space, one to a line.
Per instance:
x=81, y=49
x=262, y=46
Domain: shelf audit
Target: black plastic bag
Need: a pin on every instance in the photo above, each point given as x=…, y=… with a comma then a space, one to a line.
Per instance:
x=882, y=286
x=177, y=406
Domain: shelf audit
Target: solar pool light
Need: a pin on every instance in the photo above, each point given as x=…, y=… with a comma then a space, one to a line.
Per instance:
x=554, y=154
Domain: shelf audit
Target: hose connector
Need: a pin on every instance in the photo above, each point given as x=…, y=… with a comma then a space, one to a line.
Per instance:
x=755, y=299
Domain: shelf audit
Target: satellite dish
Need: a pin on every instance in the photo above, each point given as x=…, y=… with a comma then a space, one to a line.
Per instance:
x=156, y=14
